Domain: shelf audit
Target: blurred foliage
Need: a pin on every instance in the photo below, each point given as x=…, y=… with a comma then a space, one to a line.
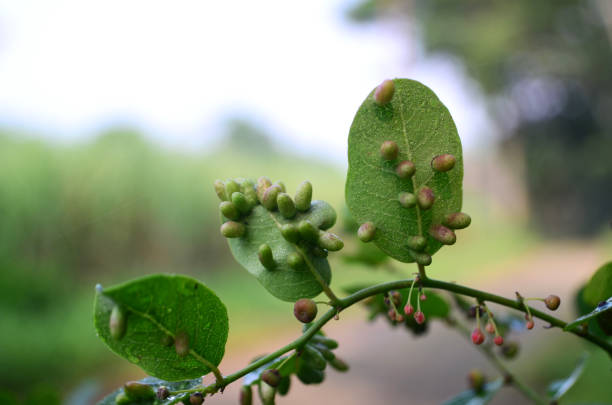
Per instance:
x=546, y=66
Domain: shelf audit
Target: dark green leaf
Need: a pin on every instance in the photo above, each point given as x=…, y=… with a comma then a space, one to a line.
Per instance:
x=598, y=311
x=422, y=127
x=599, y=288
x=472, y=397
x=284, y=282
x=155, y=383
x=558, y=388
x=158, y=308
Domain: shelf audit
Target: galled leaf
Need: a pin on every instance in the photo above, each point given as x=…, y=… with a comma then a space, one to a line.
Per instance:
x=155, y=383
x=422, y=129
x=174, y=326
x=602, y=307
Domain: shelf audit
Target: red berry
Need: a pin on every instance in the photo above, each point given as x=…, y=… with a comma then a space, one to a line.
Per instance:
x=477, y=336
x=399, y=318
x=392, y=314
x=530, y=324
x=552, y=302
x=423, y=297
x=498, y=340
x=419, y=317
x=490, y=328
x=408, y=309
x=305, y=310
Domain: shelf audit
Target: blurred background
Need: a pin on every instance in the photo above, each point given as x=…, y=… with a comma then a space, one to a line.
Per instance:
x=116, y=117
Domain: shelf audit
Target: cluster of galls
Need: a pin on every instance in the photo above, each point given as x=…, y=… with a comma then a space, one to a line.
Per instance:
x=422, y=198
x=310, y=364
x=238, y=200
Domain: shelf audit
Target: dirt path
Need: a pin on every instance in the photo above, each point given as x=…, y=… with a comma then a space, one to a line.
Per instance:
x=388, y=366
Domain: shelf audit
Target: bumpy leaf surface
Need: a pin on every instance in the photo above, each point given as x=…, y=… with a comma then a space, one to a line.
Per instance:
x=155, y=383
x=158, y=308
x=422, y=128
x=286, y=283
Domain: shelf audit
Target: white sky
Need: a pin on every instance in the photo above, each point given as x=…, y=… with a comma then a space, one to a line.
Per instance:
x=177, y=69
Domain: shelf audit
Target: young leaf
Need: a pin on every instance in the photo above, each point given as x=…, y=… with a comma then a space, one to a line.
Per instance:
x=158, y=309
x=602, y=307
x=558, y=388
x=283, y=281
x=155, y=383
x=482, y=397
x=422, y=128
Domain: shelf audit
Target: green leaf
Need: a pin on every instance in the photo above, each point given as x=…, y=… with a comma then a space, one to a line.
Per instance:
x=599, y=288
x=283, y=281
x=155, y=383
x=422, y=128
x=482, y=397
x=599, y=310
x=558, y=388
x=158, y=308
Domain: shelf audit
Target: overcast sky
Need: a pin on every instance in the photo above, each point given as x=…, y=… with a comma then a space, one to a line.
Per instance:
x=178, y=69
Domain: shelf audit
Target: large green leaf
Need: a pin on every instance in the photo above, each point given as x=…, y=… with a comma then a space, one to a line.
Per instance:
x=595, y=296
x=599, y=288
x=560, y=387
x=157, y=309
x=155, y=383
x=482, y=397
x=422, y=128
x=263, y=226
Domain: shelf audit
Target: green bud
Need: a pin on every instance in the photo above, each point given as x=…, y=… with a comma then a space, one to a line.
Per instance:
x=241, y=203
x=384, y=92
x=314, y=358
x=138, y=390
x=443, y=234
x=290, y=233
x=425, y=197
x=339, y=364
x=389, y=150
x=118, y=322
x=303, y=196
x=181, y=344
x=406, y=200
x=220, y=190
x=310, y=375
x=325, y=341
x=262, y=185
x=308, y=231
x=271, y=377
x=196, y=398
x=417, y=243
x=265, y=256
x=330, y=241
x=281, y=185
x=443, y=163
x=267, y=394
x=123, y=399
x=229, y=210
x=405, y=169
x=269, y=197
x=366, y=232
x=421, y=258
x=457, y=220
x=476, y=380
x=286, y=205
x=248, y=189
x=327, y=354
x=283, y=387
x=295, y=260
x=231, y=229
x=305, y=310
x=246, y=395
x=231, y=187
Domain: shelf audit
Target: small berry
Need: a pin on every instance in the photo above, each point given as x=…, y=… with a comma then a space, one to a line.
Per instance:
x=138, y=390
x=229, y=210
x=265, y=256
x=231, y=229
x=389, y=150
x=530, y=324
x=290, y=233
x=419, y=317
x=407, y=200
x=443, y=163
x=396, y=296
x=392, y=314
x=162, y=393
x=196, y=398
x=246, y=395
x=220, y=190
x=384, y=92
x=271, y=377
x=405, y=169
x=425, y=197
x=303, y=196
x=552, y=302
x=408, y=309
x=490, y=328
x=286, y=205
x=399, y=318
x=476, y=380
x=305, y=310
x=181, y=344
x=330, y=241
x=498, y=340
x=423, y=297
x=366, y=232
x=443, y=234
x=477, y=336
x=117, y=322
x=417, y=243
x=457, y=220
